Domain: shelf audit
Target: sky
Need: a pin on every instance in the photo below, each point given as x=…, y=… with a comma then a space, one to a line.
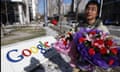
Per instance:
x=41, y=5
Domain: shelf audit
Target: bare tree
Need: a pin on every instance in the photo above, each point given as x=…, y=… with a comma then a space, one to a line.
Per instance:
x=52, y=7
x=77, y=6
x=60, y=2
x=75, y=2
x=72, y=6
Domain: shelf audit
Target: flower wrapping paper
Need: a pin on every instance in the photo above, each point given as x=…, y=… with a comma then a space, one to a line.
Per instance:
x=95, y=47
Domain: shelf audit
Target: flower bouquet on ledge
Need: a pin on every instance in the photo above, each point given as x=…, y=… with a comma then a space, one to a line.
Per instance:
x=97, y=48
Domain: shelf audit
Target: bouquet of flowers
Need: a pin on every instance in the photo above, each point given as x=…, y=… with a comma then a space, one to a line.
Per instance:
x=63, y=44
x=98, y=48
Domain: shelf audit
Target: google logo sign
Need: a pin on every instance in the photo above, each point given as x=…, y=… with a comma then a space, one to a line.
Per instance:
x=43, y=47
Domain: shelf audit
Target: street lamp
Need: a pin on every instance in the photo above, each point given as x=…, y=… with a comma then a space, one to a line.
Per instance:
x=45, y=12
x=101, y=4
x=6, y=12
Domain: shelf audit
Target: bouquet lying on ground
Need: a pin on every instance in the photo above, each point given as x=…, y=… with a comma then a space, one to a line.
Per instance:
x=66, y=45
x=63, y=45
x=98, y=48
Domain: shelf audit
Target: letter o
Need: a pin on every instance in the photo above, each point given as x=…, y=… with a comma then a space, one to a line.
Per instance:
x=34, y=49
x=24, y=52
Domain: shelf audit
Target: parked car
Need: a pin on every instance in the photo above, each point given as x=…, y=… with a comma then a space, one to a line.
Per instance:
x=72, y=22
x=112, y=22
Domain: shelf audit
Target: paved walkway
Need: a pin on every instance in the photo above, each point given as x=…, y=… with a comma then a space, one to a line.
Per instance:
x=50, y=32
x=51, y=61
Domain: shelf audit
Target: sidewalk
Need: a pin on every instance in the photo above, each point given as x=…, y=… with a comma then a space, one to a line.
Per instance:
x=50, y=32
x=38, y=62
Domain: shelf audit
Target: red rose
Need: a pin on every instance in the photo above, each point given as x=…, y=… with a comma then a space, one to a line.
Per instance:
x=54, y=22
x=100, y=41
x=65, y=42
x=81, y=40
x=92, y=32
x=114, y=51
x=103, y=50
x=69, y=33
x=111, y=61
x=91, y=51
x=109, y=42
x=95, y=44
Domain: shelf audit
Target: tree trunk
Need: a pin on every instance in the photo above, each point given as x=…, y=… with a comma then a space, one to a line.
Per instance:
x=60, y=15
x=78, y=2
x=2, y=30
x=72, y=6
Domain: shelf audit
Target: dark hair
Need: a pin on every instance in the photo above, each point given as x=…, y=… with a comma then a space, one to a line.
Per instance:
x=94, y=2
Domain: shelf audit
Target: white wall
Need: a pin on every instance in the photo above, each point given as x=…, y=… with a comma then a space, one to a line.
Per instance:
x=20, y=13
x=16, y=0
x=34, y=8
x=82, y=5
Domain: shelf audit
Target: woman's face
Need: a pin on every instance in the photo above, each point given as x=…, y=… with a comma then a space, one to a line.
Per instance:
x=91, y=12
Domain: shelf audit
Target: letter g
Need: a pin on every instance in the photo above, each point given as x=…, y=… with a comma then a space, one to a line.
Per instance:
x=13, y=60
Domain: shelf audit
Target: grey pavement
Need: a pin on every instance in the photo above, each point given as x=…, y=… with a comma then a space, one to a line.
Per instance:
x=50, y=32
x=114, y=30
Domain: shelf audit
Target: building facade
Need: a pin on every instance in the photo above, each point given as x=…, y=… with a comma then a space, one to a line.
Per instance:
x=111, y=10
x=18, y=11
x=52, y=7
